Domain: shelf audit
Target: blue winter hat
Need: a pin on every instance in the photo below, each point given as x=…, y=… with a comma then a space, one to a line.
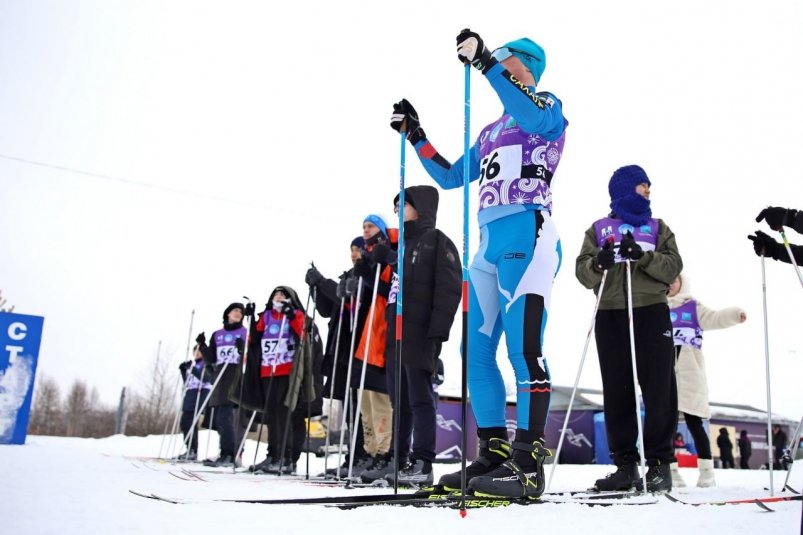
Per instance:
x=530, y=53
x=624, y=181
x=378, y=221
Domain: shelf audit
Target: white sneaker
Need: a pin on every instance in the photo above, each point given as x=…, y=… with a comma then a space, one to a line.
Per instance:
x=677, y=479
x=706, y=478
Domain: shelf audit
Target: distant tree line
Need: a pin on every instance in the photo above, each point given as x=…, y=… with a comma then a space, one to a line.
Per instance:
x=148, y=410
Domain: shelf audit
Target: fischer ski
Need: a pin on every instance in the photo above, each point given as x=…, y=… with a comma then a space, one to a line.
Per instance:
x=761, y=501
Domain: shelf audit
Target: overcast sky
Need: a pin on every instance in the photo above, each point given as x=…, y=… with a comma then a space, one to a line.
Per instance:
x=159, y=157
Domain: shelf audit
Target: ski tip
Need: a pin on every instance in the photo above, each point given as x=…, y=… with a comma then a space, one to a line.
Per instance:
x=764, y=506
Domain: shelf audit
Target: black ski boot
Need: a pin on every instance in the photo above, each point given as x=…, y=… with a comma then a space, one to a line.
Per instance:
x=415, y=473
x=261, y=467
x=381, y=467
x=494, y=450
x=519, y=477
x=624, y=478
x=659, y=478
x=224, y=461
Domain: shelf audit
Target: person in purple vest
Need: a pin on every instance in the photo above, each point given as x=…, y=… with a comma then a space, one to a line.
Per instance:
x=690, y=318
x=630, y=232
x=197, y=383
x=511, y=277
x=223, y=355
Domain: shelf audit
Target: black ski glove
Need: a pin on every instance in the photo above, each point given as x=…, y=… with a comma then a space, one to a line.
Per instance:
x=250, y=310
x=605, y=257
x=364, y=267
x=764, y=245
x=351, y=286
x=628, y=248
x=288, y=310
x=313, y=277
x=471, y=49
x=184, y=366
x=240, y=345
x=383, y=254
x=405, y=115
x=777, y=218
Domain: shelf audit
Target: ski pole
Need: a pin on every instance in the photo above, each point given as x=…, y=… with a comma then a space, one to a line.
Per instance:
x=791, y=257
x=175, y=390
x=577, y=378
x=399, y=310
x=635, y=375
x=332, y=385
x=371, y=314
x=244, y=365
x=466, y=284
x=311, y=374
x=794, y=444
x=767, y=372
x=347, y=395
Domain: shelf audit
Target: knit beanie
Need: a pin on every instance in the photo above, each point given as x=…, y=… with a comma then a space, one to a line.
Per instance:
x=358, y=242
x=379, y=221
x=628, y=205
x=530, y=53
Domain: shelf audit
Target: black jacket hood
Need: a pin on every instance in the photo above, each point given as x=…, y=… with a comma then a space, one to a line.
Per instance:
x=425, y=200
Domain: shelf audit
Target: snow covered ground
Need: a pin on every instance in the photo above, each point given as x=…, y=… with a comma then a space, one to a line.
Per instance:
x=71, y=486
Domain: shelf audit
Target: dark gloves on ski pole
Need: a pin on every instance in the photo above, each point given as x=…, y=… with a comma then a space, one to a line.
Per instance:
x=288, y=310
x=471, y=49
x=383, y=254
x=250, y=310
x=240, y=345
x=351, y=286
x=777, y=217
x=764, y=245
x=628, y=248
x=605, y=257
x=405, y=114
x=184, y=366
x=313, y=277
x=364, y=267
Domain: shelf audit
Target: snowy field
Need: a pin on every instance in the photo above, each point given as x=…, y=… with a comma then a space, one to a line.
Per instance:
x=79, y=486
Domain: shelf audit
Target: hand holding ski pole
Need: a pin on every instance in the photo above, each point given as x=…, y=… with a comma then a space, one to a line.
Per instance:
x=629, y=248
x=777, y=217
x=405, y=119
x=605, y=257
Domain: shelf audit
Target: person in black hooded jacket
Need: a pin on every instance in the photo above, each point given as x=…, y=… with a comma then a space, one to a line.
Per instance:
x=431, y=295
x=223, y=356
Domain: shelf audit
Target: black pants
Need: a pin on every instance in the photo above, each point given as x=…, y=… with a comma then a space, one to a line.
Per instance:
x=743, y=463
x=701, y=442
x=224, y=425
x=726, y=457
x=275, y=390
x=185, y=423
x=656, y=377
x=415, y=410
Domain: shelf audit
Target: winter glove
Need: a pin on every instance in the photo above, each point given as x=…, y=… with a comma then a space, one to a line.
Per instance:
x=362, y=268
x=240, y=345
x=605, y=257
x=628, y=248
x=288, y=310
x=313, y=277
x=340, y=291
x=777, y=218
x=438, y=377
x=764, y=245
x=405, y=115
x=184, y=366
x=471, y=49
x=383, y=254
x=201, y=339
x=250, y=309
x=351, y=286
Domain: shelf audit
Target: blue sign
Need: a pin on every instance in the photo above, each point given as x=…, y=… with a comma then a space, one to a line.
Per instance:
x=20, y=336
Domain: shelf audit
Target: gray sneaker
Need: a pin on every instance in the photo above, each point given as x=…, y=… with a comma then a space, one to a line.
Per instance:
x=383, y=465
x=416, y=473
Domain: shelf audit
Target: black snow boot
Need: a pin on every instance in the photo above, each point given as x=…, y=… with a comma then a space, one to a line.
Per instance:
x=261, y=467
x=519, y=477
x=494, y=450
x=659, y=478
x=623, y=479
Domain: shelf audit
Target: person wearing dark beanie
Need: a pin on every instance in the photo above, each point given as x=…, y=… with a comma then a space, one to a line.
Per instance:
x=629, y=237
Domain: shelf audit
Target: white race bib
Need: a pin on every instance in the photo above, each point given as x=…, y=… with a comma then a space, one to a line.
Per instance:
x=503, y=163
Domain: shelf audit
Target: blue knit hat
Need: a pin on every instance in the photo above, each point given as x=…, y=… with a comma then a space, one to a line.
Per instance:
x=379, y=221
x=624, y=181
x=530, y=53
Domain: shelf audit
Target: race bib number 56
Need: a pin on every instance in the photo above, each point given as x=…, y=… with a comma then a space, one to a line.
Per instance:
x=503, y=163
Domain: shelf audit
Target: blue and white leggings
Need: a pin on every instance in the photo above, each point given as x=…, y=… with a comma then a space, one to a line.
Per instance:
x=511, y=281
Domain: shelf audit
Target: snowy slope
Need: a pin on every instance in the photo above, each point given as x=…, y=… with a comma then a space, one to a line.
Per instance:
x=71, y=486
